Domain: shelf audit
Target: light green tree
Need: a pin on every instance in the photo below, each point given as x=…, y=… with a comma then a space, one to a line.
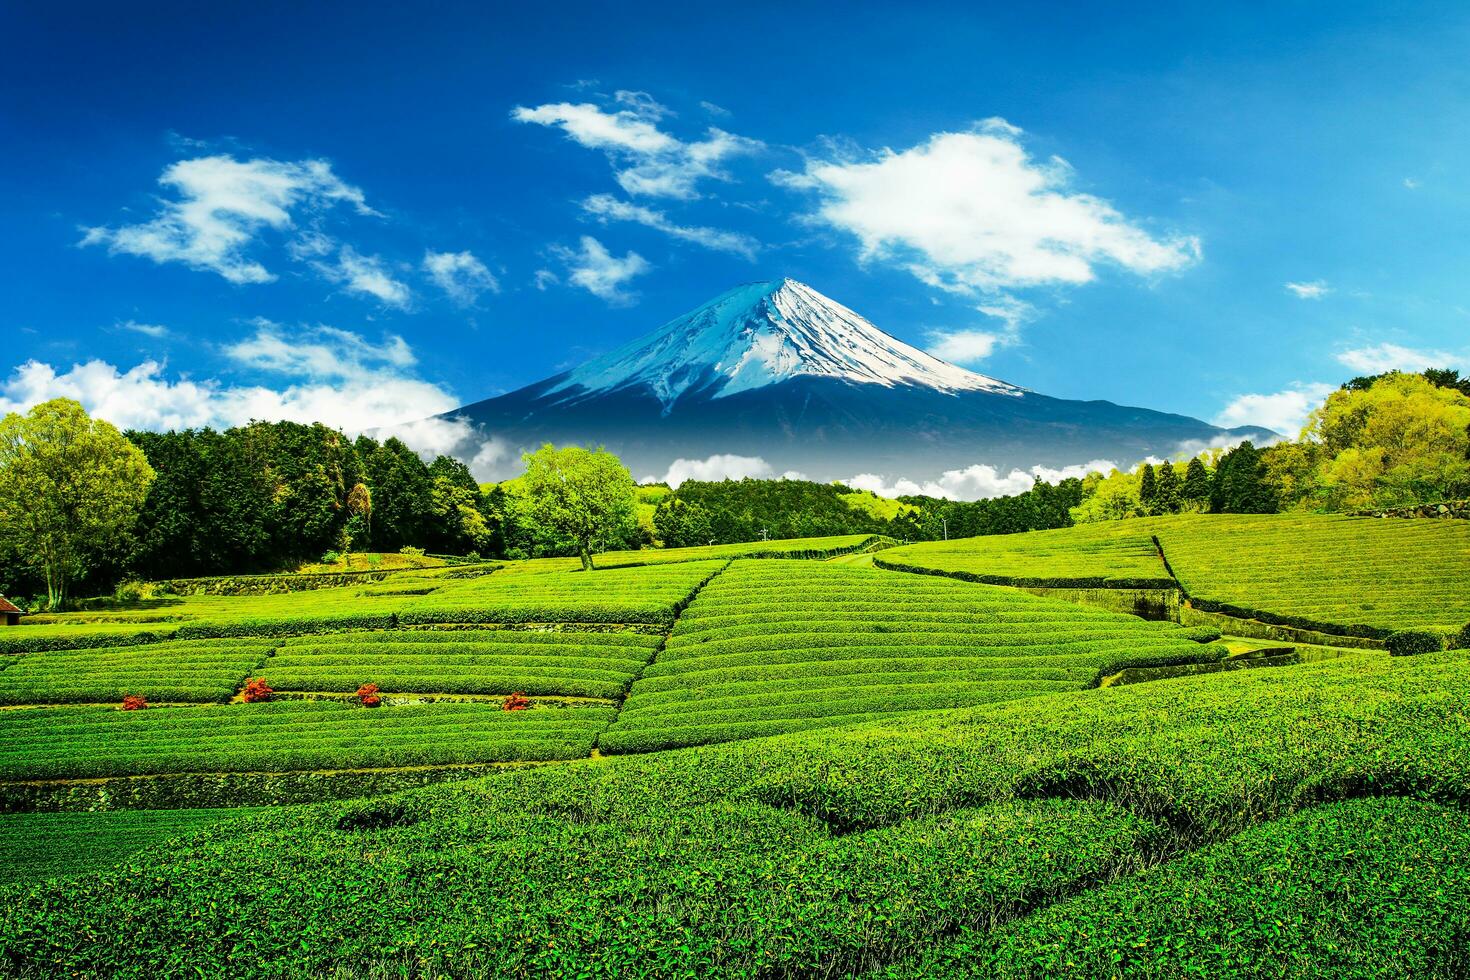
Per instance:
x=584, y=495
x=69, y=486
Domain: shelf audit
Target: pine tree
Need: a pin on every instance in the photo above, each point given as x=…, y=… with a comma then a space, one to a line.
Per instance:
x=1240, y=483
x=1196, y=490
x=1168, y=500
x=1148, y=490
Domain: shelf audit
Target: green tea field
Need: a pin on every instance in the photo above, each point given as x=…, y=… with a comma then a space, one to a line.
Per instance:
x=760, y=762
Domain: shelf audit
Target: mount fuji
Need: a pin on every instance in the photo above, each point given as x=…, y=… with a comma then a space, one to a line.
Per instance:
x=778, y=371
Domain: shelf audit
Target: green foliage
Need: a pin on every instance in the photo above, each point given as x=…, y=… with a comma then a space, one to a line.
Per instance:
x=682, y=525
x=1324, y=893
x=37, y=846
x=936, y=840
x=1388, y=441
x=1195, y=493
x=580, y=494
x=70, y=486
x=772, y=646
x=283, y=736
x=1241, y=485
x=1091, y=555
x=200, y=671
x=1412, y=643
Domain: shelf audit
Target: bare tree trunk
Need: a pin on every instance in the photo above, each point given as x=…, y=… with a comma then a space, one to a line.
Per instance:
x=587, y=556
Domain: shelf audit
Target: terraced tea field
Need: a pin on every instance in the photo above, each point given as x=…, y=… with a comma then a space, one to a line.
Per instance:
x=1357, y=576
x=1207, y=826
x=774, y=646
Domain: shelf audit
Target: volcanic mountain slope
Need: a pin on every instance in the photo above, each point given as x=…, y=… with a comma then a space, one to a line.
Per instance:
x=779, y=371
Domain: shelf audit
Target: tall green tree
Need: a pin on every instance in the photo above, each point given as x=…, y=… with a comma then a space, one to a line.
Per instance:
x=70, y=486
x=1148, y=489
x=1195, y=493
x=586, y=495
x=1167, y=493
x=1241, y=484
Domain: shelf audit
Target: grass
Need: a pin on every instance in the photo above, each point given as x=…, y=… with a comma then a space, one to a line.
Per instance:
x=1170, y=827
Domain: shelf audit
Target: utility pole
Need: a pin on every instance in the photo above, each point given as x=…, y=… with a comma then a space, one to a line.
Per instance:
x=946, y=527
x=764, y=535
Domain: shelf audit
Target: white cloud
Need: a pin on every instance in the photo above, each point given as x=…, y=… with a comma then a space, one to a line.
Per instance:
x=462, y=276
x=646, y=160
x=976, y=482
x=545, y=278
x=156, y=330
x=607, y=208
x=1309, y=290
x=713, y=109
x=318, y=352
x=1411, y=184
x=600, y=272
x=721, y=466
x=1380, y=358
x=334, y=377
x=1283, y=411
x=220, y=205
x=973, y=213
x=365, y=274
x=963, y=346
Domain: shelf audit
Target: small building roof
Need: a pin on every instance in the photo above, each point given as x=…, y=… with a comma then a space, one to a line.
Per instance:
x=6, y=606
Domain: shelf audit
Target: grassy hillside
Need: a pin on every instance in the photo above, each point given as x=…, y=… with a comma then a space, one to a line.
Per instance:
x=1354, y=575
x=1153, y=830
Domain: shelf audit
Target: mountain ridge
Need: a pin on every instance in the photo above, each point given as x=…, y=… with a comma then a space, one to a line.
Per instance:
x=776, y=370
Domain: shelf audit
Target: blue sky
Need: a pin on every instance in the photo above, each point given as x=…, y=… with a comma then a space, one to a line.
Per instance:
x=369, y=213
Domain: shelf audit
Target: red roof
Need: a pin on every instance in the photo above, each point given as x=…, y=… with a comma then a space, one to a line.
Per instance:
x=6, y=606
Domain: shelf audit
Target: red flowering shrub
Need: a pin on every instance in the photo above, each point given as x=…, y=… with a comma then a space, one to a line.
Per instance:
x=367, y=696
x=134, y=702
x=516, y=702
x=256, y=690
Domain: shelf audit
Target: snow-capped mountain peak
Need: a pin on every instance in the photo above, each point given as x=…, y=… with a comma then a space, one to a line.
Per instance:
x=760, y=334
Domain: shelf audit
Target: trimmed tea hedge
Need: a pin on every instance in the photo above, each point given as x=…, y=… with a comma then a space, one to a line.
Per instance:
x=1364, y=888
x=572, y=664
x=861, y=851
x=89, y=742
x=37, y=846
x=651, y=595
x=1112, y=554
x=773, y=647
x=196, y=670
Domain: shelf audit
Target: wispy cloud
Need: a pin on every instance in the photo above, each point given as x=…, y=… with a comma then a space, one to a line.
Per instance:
x=462, y=276
x=595, y=269
x=220, y=205
x=366, y=275
x=1283, y=411
x=973, y=213
x=155, y=330
x=1378, y=358
x=605, y=208
x=647, y=161
x=1309, y=290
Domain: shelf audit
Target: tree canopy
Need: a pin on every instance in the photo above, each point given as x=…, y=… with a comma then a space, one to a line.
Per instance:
x=70, y=486
x=586, y=495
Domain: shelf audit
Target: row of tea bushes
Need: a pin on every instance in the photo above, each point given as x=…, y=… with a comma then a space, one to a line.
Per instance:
x=1354, y=576
x=1107, y=555
x=37, y=846
x=722, y=861
x=565, y=663
x=652, y=595
x=92, y=742
x=773, y=647
x=191, y=671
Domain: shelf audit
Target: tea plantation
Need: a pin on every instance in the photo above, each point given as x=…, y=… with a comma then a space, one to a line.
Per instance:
x=726, y=763
x=1355, y=576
